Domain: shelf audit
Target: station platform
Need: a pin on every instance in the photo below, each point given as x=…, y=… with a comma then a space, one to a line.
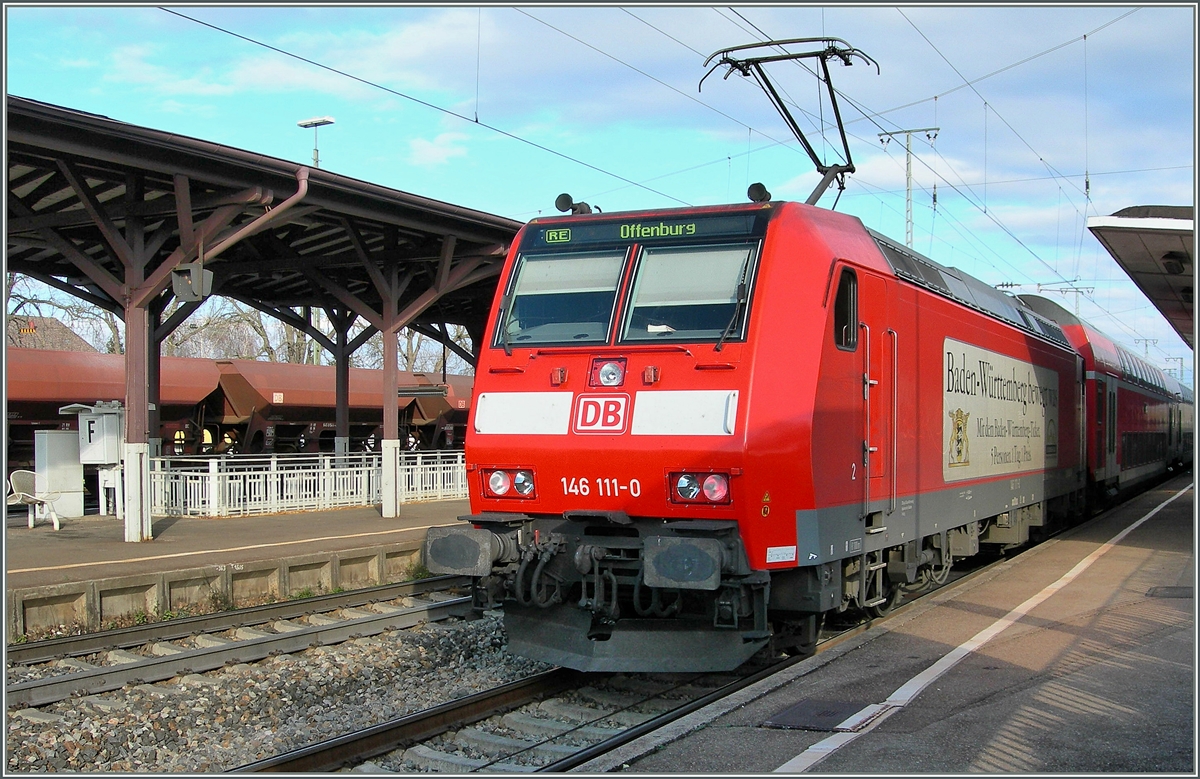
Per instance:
x=86, y=572
x=1076, y=656
x=93, y=546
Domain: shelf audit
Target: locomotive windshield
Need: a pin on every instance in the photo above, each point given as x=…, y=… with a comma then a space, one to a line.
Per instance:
x=682, y=277
x=563, y=298
x=693, y=293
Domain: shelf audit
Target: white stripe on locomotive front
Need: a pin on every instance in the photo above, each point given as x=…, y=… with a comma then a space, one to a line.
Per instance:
x=657, y=412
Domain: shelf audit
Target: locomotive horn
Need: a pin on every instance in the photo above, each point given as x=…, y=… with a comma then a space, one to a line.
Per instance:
x=758, y=193
x=565, y=202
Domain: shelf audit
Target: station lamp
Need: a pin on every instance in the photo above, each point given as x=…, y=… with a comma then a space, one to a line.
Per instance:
x=314, y=123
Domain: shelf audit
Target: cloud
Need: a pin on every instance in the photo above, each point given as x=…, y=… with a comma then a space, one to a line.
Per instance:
x=271, y=74
x=183, y=108
x=441, y=149
x=132, y=65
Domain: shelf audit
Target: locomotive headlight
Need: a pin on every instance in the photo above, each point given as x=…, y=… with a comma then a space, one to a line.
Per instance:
x=500, y=483
x=687, y=486
x=700, y=488
x=509, y=483
x=607, y=372
x=611, y=374
x=523, y=482
x=716, y=488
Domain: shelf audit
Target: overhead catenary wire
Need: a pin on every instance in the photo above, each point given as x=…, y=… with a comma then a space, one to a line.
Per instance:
x=427, y=104
x=820, y=126
x=762, y=33
x=991, y=216
x=478, y=50
x=969, y=234
x=1010, y=127
x=641, y=72
x=626, y=181
x=977, y=93
x=1008, y=67
x=1087, y=181
x=701, y=54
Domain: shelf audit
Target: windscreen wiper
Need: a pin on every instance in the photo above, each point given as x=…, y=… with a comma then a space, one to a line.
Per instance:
x=737, y=310
x=504, y=303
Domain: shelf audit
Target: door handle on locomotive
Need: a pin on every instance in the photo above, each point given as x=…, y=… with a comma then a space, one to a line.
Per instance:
x=867, y=448
x=895, y=403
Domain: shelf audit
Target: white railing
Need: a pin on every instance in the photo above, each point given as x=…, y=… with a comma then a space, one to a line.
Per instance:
x=221, y=486
x=424, y=476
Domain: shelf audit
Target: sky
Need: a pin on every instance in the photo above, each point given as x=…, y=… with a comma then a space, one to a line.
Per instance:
x=1045, y=115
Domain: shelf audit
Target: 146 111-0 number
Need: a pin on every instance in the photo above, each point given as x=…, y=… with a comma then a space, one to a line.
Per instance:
x=605, y=488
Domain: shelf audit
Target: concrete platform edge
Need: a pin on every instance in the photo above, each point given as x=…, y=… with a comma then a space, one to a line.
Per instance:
x=93, y=603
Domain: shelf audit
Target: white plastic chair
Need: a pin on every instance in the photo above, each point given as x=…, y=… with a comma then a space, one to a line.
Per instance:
x=22, y=489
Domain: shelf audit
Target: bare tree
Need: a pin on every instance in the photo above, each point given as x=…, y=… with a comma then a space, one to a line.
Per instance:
x=219, y=329
x=222, y=328
x=415, y=352
x=26, y=297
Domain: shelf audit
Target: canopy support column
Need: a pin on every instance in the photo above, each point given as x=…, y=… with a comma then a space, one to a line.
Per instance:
x=341, y=445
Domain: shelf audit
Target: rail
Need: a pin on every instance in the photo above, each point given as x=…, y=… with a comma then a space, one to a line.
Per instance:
x=220, y=651
x=50, y=649
x=334, y=753
x=239, y=485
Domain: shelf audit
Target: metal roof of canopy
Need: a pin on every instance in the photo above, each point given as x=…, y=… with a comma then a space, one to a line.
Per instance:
x=91, y=199
x=1155, y=246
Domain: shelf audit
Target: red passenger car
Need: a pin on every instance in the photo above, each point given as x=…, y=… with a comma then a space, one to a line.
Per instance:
x=697, y=431
x=1140, y=419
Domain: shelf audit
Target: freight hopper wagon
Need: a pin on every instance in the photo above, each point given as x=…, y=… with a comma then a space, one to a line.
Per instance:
x=233, y=406
x=699, y=431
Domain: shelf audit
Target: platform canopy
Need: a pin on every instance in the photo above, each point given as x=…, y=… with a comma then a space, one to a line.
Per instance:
x=105, y=210
x=1155, y=246
x=134, y=219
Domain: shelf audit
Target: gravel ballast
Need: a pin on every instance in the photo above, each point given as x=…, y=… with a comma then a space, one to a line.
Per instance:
x=223, y=719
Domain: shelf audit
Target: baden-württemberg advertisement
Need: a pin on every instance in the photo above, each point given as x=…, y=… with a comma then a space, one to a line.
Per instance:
x=1000, y=415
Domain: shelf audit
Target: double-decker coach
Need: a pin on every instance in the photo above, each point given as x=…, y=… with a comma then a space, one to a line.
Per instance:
x=1140, y=419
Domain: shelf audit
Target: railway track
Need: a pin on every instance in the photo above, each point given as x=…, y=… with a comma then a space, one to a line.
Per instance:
x=60, y=668
x=551, y=722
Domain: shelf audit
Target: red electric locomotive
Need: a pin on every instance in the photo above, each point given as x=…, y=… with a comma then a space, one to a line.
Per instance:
x=698, y=431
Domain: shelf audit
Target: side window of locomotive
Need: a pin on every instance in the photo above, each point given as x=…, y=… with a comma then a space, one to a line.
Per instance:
x=561, y=299
x=695, y=293
x=845, y=312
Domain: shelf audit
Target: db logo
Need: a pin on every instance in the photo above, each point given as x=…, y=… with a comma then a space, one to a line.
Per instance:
x=601, y=414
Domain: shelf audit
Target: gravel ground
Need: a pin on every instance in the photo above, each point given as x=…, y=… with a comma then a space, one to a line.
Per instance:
x=223, y=719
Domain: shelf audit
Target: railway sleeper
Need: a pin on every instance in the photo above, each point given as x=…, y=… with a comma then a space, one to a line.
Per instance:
x=575, y=712
x=444, y=762
x=496, y=745
x=544, y=727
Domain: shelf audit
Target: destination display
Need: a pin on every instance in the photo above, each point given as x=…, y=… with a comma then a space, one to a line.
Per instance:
x=999, y=414
x=587, y=232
